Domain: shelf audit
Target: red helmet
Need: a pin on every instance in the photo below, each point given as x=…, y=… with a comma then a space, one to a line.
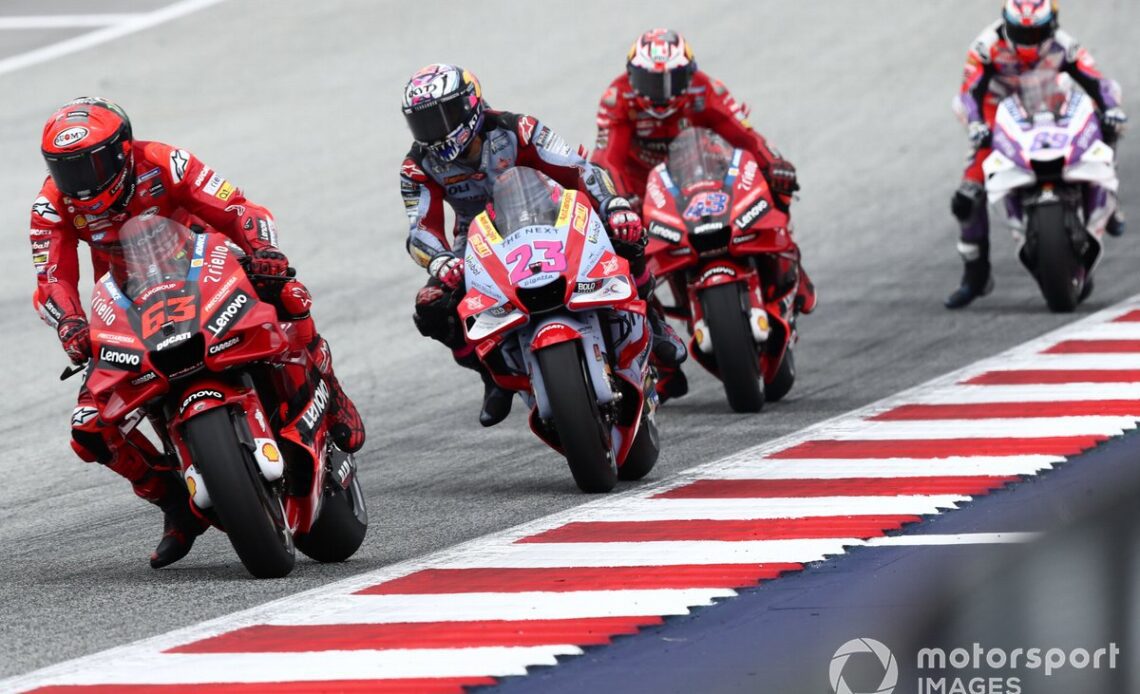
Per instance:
x=1029, y=24
x=87, y=146
x=660, y=67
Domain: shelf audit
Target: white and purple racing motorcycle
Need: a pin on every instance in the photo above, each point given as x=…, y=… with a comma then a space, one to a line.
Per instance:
x=1057, y=178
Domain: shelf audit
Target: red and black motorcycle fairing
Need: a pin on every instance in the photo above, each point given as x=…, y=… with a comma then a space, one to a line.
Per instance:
x=192, y=337
x=721, y=226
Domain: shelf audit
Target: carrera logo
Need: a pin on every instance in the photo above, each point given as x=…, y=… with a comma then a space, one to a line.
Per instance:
x=200, y=395
x=68, y=137
x=145, y=378
x=223, y=346
x=754, y=213
x=664, y=233
x=228, y=314
x=120, y=359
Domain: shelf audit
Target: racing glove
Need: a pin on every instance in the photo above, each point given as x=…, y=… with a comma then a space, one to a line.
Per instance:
x=447, y=269
x=623, y=223
x=782, y=177
x=268, y=261
x=980, y=134
x=1115, y=119
x=75, y=336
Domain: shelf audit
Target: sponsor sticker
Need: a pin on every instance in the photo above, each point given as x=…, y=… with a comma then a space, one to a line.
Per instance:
x=225, y=192
x=70, y=136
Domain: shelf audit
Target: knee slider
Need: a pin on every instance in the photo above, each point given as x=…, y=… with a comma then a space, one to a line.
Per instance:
x=968, y=202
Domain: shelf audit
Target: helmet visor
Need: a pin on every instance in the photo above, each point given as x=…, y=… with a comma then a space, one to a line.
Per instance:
x=434, y=121
x=85, y=174
x=659, y=87
x=1028, y=36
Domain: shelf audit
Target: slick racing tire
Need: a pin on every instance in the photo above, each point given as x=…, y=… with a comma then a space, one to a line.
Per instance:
x=340, y=529
x=784, y=379
x=248, y=509
x=584, y=436
x=642, y=455
x=1057, y=264
x=737, y=360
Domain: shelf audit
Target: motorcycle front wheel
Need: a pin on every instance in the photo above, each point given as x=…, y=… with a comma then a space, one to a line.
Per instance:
x=248, y=509
x=1057, y=263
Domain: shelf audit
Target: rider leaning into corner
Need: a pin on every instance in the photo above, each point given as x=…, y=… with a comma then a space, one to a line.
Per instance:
x=461, y=148
x=662, y=93
x=1027, y=38
x=100, y=177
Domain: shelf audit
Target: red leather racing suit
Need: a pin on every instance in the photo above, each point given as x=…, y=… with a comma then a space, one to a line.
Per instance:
x=169, y=182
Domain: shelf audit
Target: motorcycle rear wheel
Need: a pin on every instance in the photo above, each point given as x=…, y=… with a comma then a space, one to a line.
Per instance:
x=249, y=511
x=1057, y=263
x=737, y=360
x=583, y=434
x=341, y=526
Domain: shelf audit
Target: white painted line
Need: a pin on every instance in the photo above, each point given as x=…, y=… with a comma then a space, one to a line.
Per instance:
x=967, y=395
x=1024, y=428
x=589, y=554
x=157, y=668
x=1000, y=466
x=470, y=607
x=1067, y=362
x=100, y=36
x=750, y=509
x=1109, y=331
x=65, y=21
x=961, y=539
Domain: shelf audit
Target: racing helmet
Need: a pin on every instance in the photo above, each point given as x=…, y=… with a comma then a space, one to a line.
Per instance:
x=1029, y=25
x=660, y=67
x=87, y=147
x=444, y=107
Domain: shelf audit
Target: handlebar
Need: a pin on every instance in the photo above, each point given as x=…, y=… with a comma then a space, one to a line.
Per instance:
x=72, y=370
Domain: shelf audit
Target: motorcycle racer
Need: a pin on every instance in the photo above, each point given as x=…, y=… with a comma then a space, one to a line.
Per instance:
x=661, y=93
x=1027, y=38
x=100, y=177
x=461, y=148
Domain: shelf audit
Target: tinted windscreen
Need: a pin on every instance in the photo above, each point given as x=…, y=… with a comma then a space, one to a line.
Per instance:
x=155, y=250
x=698, y=154
x=524, y=197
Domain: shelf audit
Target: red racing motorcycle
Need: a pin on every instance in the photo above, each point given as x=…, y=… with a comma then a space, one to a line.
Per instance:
x=725, y=250
x=180, y=337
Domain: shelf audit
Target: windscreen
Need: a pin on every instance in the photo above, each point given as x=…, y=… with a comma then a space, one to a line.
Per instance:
x=523, y=197
x=1040, y=92
x=155, y=250
x=697, y=155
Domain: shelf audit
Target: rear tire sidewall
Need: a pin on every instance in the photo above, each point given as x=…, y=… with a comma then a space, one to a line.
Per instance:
x=246, y=507
x=736, y=354
x=574, y=410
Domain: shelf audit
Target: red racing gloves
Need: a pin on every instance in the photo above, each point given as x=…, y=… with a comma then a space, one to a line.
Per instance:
x=447, y=269
x=75, y=336
x=268, y=261
x=782, y=177
x=623, y=223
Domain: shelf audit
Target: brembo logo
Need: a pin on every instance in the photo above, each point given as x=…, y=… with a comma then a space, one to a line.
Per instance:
x=122, y=359
x=221, y=321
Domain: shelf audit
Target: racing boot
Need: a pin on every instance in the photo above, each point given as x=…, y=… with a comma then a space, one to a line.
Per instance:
x=671, y=383
x=347, y=428
x=805, y=293
x=1117, y=224
x=977, y=279
x=496, y=401
x=180, y=527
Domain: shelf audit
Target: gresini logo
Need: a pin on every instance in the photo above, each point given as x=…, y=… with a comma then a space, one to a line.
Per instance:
x=857, y=646
x=229, y=313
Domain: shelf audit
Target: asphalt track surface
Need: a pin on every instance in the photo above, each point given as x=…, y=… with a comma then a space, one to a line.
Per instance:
x=298, y=103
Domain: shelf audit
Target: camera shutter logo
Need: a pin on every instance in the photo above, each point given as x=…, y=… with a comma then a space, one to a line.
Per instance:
x=857, y=646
